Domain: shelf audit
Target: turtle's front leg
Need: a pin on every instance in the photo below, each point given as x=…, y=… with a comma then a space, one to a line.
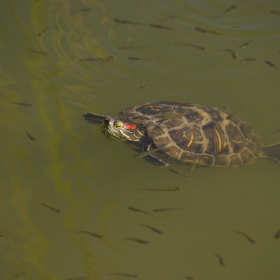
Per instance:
x=150, y=154
x=156, y=160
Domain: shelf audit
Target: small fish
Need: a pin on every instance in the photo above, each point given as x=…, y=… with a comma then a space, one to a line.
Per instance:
x=38, y=52
x=247, y=59
x=221, y=260
x=271, y=64
x=234, y=114
x=177, y=172
x=59, y=211
x=130, y=48
x=233, y=54
x=108, y=58
x=30, y=136
x=23, y=104
x=251, y=239
x=227, y=11
x=91, y=233
x=137, y=58
x=90, y=59
x=123, y=21
x=206, y=31
x=173, y=189
x=170, y=116
x=153, y=229
x=277, y=234
x=138, y=210
x=125, y=274
x=275, y=12
x=276, y=132
x=147, y=153
x=85, y=10
x=138, y=240
x=160, y=26
x=195, y=46
x=245, y=45
x=166, y=209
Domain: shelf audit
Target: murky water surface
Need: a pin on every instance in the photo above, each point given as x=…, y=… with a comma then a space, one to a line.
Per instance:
x=61, y=58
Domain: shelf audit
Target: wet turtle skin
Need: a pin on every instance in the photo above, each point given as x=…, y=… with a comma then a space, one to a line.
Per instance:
x=187, y=132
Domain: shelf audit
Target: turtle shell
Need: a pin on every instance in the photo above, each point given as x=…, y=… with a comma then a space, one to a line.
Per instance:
x=189, y=132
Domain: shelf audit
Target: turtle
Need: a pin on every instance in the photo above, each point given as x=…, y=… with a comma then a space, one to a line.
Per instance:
x=175, y=132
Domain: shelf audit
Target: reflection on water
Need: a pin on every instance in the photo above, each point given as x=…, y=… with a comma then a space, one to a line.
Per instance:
x=61, y=58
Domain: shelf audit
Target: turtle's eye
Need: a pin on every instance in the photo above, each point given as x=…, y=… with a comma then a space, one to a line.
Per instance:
x=117, y=124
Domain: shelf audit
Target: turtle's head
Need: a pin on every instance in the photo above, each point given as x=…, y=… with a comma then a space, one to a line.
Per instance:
x=120, y=130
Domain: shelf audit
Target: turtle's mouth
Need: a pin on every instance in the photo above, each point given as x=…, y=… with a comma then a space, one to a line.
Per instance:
x=118, y=130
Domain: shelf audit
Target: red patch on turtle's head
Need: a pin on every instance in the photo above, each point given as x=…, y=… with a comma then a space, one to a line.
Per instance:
x=130, y=126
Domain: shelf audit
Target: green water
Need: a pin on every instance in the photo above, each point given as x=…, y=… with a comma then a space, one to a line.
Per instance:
x=72, y=167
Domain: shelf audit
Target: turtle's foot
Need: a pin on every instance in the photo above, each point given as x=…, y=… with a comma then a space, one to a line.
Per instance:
x=154, y=157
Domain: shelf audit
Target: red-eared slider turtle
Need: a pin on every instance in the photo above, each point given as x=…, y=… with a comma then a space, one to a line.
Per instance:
x=186, y=133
